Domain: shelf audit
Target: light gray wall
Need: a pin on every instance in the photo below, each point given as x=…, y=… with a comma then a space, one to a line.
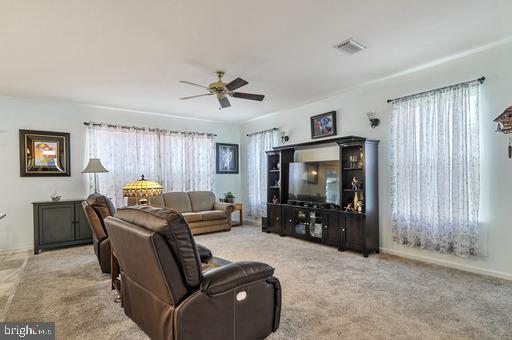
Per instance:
x=16, y=230
x=496, y=168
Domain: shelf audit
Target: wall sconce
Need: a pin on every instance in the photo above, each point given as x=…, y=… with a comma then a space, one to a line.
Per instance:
x=374, y=122
x=504, y=121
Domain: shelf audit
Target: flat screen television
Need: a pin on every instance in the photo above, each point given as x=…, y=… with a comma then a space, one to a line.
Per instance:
x=314, y=182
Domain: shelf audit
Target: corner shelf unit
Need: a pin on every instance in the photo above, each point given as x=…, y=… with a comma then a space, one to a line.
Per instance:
x=277, y=175
x=331, y=225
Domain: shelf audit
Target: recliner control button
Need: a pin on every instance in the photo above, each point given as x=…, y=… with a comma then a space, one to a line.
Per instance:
x=240, y=296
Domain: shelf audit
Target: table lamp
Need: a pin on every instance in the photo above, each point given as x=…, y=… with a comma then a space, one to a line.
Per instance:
x=142, y=189
x=94, y=167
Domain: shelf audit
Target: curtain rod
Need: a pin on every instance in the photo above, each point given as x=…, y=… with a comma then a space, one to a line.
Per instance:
x=149, y=129
x=481, y=80
x=253, y=133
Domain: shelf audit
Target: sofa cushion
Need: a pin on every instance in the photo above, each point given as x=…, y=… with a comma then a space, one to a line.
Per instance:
x=191, y=217
x=202, y=200
x=213, y=215
x=177, y=201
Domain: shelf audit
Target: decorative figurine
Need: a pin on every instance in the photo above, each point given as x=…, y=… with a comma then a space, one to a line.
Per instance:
x=360, y=206
x=55, y=196
x=275, y=200
x=349, y=207
x=355, y=183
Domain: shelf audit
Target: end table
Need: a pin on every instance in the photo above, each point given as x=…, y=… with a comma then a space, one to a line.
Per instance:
x=239, y=207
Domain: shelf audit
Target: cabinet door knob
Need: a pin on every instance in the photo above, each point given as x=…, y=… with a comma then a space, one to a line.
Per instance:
x=277, y=218
x=342, y=229
x=290, y=221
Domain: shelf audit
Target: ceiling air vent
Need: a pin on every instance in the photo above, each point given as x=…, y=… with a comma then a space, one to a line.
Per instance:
x=350, y=46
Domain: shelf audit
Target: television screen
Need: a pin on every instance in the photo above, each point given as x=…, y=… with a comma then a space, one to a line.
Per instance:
x=314, y=182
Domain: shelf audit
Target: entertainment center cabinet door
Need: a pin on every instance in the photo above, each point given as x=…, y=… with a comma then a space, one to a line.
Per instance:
x=275, y=220
x=332, y=228
x=354, y=232
x=289, y=223
x=83, y=230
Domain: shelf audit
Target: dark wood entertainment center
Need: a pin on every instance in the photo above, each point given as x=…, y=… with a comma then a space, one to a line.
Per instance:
x=327, y=223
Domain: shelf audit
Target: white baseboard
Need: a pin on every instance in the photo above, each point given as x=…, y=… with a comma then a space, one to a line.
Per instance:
x=252, y=221
x=14, y=251
x=449, y=264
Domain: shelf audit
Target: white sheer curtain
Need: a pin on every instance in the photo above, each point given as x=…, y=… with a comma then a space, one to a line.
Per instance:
x=435, y=170
x=180, y=161
x=257, y=170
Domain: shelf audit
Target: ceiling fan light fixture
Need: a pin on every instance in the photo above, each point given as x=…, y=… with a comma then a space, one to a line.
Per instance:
x=223, y=90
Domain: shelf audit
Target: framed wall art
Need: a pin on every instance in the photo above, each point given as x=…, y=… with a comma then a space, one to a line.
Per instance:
x=227, y=158
x=323, y=125
x=44, y=153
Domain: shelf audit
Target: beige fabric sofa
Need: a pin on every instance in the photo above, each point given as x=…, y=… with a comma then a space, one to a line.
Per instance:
x=203, y=213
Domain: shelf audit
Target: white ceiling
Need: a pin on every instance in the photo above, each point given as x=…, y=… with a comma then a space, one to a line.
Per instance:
x=131, y=53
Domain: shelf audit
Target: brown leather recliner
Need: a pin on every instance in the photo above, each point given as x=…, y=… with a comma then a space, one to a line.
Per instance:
x=98, y=207
x=165, y=291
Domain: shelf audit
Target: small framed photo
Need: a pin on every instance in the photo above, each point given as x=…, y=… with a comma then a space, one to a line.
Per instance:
x=227, y=158
x=323, y=125
x=44, y=153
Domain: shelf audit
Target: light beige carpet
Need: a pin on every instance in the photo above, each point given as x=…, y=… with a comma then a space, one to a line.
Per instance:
x=326, y=294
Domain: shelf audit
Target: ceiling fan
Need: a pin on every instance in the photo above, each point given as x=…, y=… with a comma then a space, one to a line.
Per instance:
x=223, y=90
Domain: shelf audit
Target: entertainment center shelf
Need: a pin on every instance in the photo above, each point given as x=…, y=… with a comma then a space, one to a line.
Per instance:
x=328, y=202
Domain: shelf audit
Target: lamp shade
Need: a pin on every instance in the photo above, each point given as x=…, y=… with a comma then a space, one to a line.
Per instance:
x=94, y=166
x=142, y=188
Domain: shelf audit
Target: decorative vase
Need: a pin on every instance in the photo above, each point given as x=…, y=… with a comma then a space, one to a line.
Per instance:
x=356, y=199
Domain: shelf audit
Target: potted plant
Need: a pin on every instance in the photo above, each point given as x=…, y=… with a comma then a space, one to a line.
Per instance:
x=229, y=197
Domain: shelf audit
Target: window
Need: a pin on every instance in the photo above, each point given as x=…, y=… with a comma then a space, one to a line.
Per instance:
x=257, y=170
x=180, y=161
x=435, y=170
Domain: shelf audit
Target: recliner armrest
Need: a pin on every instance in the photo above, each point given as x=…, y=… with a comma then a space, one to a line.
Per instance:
x=205, y=254
x=233, y=275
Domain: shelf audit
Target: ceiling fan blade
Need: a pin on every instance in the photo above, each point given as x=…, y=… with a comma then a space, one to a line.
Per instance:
x=194, y=84
x=251, y=96
x=199, y=95
x=224, y=101
x=235, y=84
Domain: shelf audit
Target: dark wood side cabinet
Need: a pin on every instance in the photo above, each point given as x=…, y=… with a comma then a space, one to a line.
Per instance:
x=60, y=224
x=356, y=230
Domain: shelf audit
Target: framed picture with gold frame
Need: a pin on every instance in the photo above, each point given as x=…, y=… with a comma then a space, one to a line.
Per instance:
x=44, y=153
